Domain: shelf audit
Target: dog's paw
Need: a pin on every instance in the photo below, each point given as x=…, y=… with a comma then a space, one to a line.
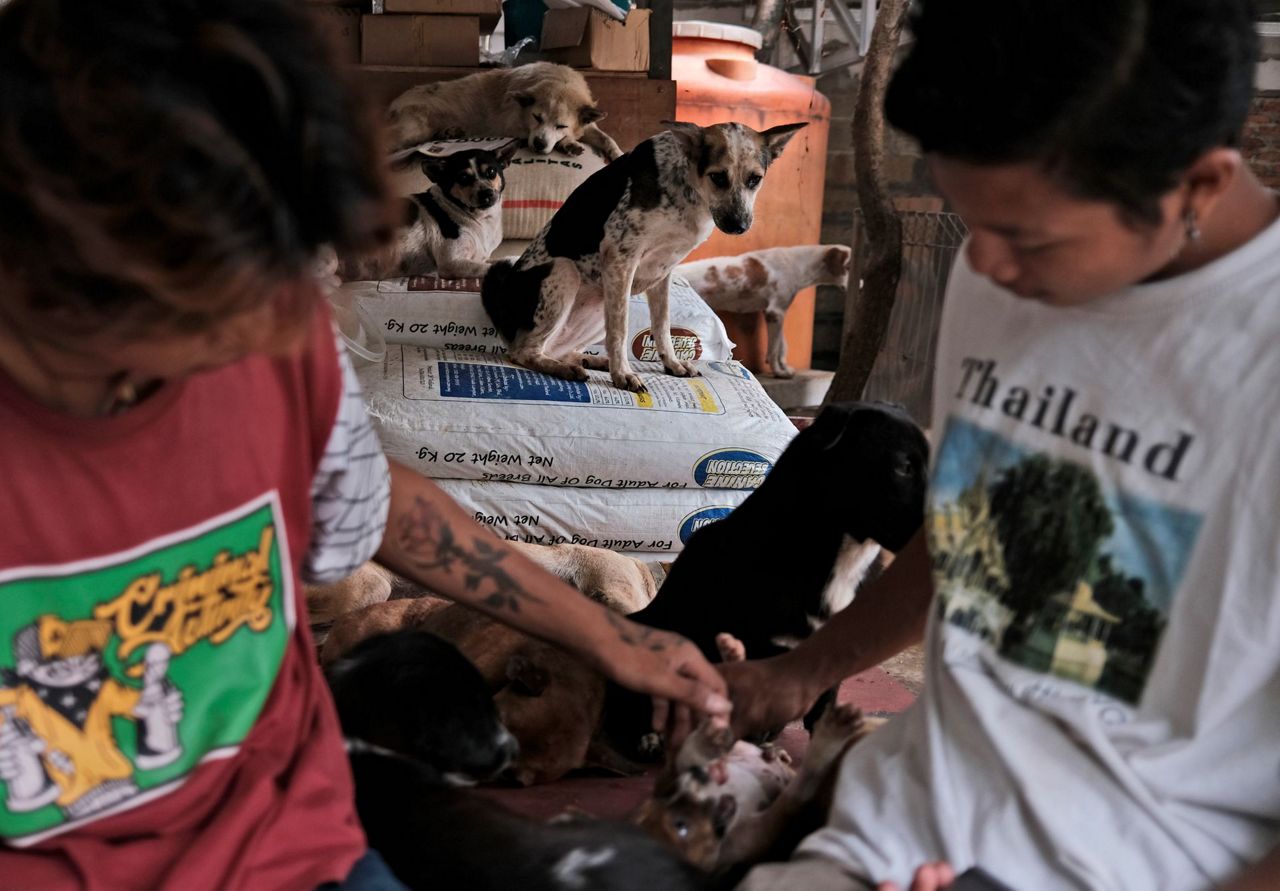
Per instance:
x=572, y=149
x=772, y=752
x=784, y=372
x=679, y=368
x=839, y=725
x=731, y=649
x=596, y=363
x=628, y=380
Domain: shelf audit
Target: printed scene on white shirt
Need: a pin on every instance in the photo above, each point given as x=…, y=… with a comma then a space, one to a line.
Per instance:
x=1055, y=571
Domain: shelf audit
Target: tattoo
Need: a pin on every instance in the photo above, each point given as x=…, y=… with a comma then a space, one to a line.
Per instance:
x=432, y=544
x=635, y=635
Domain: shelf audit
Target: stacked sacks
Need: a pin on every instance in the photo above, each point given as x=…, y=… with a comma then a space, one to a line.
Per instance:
x=547, y=460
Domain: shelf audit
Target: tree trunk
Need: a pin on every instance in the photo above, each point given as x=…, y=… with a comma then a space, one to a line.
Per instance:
x=768, y=21
x=870, y=303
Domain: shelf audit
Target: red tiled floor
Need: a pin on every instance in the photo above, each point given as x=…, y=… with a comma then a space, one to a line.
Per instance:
x=617, y=797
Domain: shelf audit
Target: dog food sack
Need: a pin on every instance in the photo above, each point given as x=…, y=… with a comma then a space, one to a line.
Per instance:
x=459, y=415
x=637, y=522
x=427, y=311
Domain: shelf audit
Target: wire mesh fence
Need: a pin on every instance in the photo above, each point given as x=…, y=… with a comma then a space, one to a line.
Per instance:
x=903, y=373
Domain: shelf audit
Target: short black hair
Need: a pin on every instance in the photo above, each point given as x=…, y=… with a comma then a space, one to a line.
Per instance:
x=1115, y=98
x=172, y=162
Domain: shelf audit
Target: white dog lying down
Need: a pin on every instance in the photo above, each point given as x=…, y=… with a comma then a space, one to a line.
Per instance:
x=767, y=281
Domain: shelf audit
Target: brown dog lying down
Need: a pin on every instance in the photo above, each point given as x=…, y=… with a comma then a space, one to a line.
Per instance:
x=549, y=700
x=767, y=281
x=622, y=583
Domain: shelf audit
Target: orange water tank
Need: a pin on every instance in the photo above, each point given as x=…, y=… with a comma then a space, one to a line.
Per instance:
x=717, y=80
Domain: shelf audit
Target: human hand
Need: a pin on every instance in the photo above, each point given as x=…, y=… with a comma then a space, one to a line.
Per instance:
x=766, y=694
x=670, y=669
x=929, y=877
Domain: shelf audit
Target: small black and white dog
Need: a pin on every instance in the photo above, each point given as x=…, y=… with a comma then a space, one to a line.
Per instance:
x=452, y=228
x=422, y=721
x=620, y=233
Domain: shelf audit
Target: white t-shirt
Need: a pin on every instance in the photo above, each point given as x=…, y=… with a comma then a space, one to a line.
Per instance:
x=1102, y=708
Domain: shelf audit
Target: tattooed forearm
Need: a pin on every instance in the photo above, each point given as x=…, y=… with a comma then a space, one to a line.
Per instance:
x=636, y=635
x=430, y=544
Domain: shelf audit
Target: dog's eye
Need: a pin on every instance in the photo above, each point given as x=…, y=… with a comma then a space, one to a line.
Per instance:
x=753, y=181
x=562, y=126
x=465, y=179
x=681, y=829
x=719, y=179
x=537, y=117
x=490, y=173
x=903, y=467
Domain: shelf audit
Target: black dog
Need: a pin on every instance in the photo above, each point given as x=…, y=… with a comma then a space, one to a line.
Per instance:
x=414, y=694
x=762, y=574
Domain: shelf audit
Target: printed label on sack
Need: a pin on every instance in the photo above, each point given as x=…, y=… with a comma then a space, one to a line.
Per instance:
x=699, y=518
x=731, y=469
x=733, y=369
x=687, y=344
x=472, y=381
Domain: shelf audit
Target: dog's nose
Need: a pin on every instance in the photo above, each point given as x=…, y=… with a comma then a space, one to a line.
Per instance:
x=734, y=226
x=487, y=198
x=539, y=144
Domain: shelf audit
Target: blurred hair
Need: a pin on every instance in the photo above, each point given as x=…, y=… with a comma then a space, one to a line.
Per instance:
x=167, y=164
x=1113, y=98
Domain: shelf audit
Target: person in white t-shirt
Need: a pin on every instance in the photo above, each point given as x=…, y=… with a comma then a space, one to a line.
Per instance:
x=1098, y=579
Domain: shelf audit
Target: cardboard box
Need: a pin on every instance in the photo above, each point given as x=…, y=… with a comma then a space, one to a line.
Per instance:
x=489, y=11
x=587, y=38
x=420, y=40
x=341, y=27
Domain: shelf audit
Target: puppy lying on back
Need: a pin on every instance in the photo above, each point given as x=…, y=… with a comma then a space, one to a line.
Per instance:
x=452, y=228
x=767, y=281
x=622, y=232
x=549, y=106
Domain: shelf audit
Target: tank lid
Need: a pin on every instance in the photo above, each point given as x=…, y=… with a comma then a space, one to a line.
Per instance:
x=718, y=31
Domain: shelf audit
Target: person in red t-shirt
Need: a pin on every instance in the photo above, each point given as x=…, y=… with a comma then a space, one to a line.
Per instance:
x=183, y=444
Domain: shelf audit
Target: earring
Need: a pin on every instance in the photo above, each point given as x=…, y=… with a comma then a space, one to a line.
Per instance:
x=1191, y=224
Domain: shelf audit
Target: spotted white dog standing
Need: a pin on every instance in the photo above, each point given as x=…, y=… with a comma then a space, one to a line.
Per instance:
x=622, y=232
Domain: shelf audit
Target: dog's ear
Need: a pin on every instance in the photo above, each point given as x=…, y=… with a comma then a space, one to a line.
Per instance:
x=775, y=139
x=831, y=425
x=524, y=100
x=506, y=153
x=589, y=114
x=690, y=136
x=433, y=167
x=836, y=259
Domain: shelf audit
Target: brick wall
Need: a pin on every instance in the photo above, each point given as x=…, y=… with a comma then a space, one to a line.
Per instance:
x=1262, y=138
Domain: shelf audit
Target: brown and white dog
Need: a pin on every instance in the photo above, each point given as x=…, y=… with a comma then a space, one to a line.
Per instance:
x=767, y=281
x=622, y=232
x=452, y=228
x=550, y=106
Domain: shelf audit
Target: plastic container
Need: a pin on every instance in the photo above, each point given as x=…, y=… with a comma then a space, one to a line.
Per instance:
x=359, y=332
x=718, y=79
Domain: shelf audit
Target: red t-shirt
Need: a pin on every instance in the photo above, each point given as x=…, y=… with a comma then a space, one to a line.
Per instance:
x=163, y=721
